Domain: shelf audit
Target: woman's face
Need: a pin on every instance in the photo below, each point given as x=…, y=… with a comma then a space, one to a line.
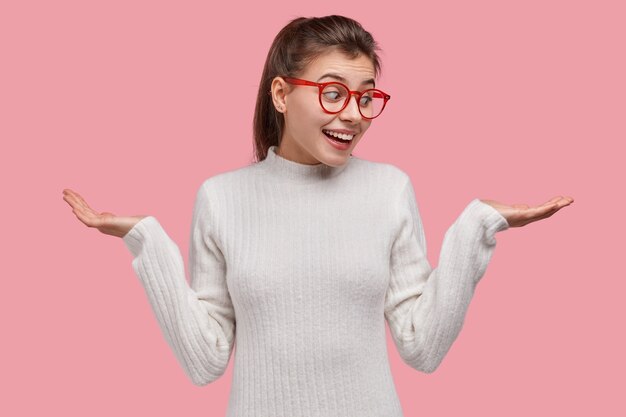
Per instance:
x=303, y=138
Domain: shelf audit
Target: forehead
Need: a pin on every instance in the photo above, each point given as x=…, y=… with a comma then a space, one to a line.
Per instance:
x=355, y=71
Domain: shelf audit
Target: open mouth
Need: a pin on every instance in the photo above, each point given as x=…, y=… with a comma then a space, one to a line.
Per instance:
x=337, y=139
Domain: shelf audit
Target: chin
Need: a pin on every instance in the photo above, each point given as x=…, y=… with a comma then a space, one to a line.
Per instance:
x=336, y=159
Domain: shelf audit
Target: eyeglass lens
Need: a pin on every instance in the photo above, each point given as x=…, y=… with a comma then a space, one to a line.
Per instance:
x=334, y=96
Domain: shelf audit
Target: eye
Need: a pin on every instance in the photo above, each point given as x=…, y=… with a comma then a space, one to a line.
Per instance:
x=366, y=99
x=334, y=93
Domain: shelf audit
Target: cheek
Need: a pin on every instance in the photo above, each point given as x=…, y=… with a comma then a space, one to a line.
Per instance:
x=313, y=121
x=305, y=115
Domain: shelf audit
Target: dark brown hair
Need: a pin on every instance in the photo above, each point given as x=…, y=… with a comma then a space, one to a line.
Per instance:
x=295, y=46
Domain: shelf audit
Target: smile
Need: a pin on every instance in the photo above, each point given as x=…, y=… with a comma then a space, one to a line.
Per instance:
x=337, y=135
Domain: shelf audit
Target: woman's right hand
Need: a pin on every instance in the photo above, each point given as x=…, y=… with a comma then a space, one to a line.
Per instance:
x=107, y=223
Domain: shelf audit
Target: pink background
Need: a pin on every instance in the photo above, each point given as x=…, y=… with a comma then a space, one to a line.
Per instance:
x=134, y=103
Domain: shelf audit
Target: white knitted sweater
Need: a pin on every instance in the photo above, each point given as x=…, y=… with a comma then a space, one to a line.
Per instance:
x=301, y=265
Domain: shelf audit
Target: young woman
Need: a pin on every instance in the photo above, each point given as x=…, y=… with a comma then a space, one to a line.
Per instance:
x=303, y=255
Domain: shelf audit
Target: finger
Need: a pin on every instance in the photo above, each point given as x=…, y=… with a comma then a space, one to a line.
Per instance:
x=554, y=199
x=543, y=211
x=87, y=219
x=82, y=201
x=544, y=208
x=536, y=213
x=552, y=202
x=543, y=216
x=86, y=207
x=72, y=198
x=84, y=214
x=562, y=202
x=548, y=211
x=78, y=204
x=558, y=202
x=69, y=200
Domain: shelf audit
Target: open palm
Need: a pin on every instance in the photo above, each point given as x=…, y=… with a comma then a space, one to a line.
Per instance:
x=518, y=215
x=107, y=223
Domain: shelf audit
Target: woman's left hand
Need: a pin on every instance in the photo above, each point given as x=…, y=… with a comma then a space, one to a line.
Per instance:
x=519, y=215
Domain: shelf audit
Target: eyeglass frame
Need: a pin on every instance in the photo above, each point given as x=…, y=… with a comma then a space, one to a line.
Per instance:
x=359, y=94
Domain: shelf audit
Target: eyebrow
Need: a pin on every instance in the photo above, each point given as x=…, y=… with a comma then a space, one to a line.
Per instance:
x=343, y=80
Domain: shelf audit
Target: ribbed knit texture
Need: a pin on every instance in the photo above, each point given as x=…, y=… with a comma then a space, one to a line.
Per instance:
x=301, y=265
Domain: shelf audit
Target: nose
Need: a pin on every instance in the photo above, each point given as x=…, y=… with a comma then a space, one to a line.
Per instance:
x=351, y=111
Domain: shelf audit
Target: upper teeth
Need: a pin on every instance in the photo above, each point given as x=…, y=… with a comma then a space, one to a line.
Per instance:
x=339, y=135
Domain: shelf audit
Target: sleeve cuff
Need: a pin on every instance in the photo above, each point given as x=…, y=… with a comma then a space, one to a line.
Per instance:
x=135, y=237
x=489, y=217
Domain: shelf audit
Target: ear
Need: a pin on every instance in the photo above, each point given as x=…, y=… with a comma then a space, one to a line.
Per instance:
x=279, y=90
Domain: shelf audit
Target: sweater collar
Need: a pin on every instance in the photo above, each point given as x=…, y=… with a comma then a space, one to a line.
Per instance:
x=298, y=171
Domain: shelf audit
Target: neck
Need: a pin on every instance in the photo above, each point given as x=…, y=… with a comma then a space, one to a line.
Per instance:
x=298, y=171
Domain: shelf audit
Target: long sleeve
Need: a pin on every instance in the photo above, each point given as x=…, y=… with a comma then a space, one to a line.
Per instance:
x=425, y=307
x=197, y=320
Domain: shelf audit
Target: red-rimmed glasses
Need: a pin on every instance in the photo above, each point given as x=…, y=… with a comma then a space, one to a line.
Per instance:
x=334, y=97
